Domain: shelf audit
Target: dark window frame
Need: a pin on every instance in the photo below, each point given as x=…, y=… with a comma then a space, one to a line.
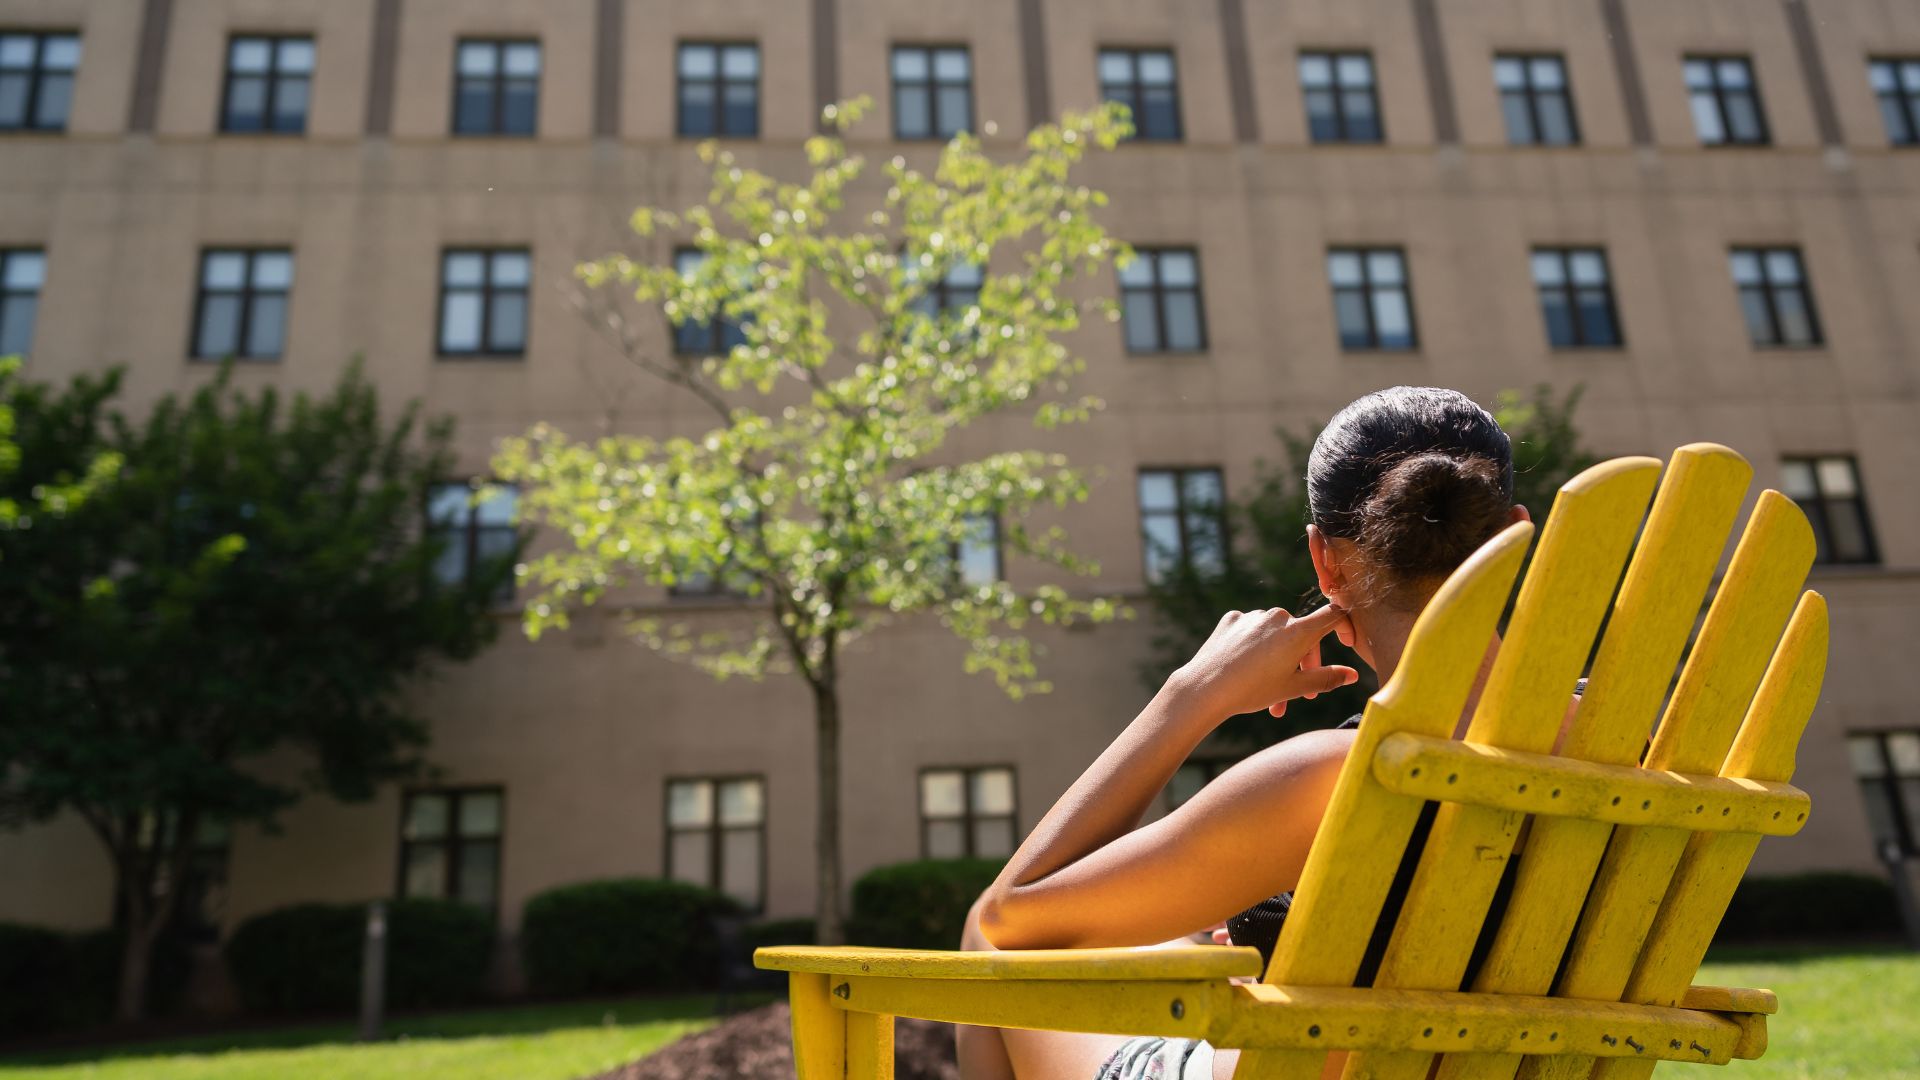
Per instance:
x=1820, y=506
x=1158, y=290
x=247, y=294
x=1904, y=817
x=1569, y=293
x=932, y=84
x=1719, y=92
x=968, y=817
x=1901, y=98
x=1345, y=135
x=1180, y=513
x=719, y=82
x=37, y=74
x=8, y=293
x=497, y=88
x=455, y=844
x=274, y=80
x=487, y=292
x=1769, y=292
x=717, y=832
x=1532, y=94
x=470, y=528
x=1367, y=288
x=1132, y=92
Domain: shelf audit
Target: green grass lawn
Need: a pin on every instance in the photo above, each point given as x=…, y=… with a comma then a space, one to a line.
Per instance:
x=538, y=1042
x=1843, y=1015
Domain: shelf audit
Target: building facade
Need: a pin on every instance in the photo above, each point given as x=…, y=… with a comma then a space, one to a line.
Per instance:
x=1706, y=214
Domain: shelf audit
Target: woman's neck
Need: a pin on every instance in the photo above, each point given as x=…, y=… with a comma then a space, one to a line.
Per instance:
x=1382, y=636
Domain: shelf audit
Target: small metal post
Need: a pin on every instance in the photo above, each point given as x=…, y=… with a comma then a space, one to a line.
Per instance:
x=373, y=972
x=1903, y=890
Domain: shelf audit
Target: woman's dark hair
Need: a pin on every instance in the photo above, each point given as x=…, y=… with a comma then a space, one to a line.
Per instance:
x=1416, y=476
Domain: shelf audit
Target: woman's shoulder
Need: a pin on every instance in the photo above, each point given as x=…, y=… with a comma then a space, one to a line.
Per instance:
x=1309, y=751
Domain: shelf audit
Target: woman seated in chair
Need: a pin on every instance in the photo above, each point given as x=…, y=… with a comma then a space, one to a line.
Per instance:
x=1402, y=486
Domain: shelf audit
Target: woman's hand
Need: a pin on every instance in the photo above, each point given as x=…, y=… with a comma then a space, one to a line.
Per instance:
x=1262, y=659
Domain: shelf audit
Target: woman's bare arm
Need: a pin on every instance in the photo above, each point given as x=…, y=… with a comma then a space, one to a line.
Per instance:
x=1082, y=874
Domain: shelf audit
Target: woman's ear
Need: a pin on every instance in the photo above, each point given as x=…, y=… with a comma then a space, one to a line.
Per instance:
x=1518, y=514
x=1330, y=575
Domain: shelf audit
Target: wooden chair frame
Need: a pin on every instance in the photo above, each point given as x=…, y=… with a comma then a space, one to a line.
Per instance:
x=1655, y=835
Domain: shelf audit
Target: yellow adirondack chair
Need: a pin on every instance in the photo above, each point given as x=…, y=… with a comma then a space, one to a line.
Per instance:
x=1661, y=842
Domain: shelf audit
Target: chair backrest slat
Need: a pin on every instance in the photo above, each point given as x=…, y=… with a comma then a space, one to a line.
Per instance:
x=1522, y=707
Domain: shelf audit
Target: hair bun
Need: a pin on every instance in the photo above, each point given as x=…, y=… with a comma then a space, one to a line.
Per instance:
x=1432, y=510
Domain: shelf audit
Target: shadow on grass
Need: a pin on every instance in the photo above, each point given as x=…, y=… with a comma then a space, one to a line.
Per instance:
x=494, y=1022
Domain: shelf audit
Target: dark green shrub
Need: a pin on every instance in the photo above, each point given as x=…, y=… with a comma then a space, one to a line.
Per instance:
x=917, y=905
x=306, y=958
x=622, y=935
x=778, y=932
x=1811, y=907
x=52, y=981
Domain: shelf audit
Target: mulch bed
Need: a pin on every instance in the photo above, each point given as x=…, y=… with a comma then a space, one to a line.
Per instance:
x=756, y=1046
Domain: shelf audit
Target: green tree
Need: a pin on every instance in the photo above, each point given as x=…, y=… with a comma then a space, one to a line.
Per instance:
x=827, y=492
x=254, y=580
x=59, y=492
x=1268, y=565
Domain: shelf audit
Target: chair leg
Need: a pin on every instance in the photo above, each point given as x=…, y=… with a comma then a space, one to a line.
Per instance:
x=819, y=1029
x=869, y=1046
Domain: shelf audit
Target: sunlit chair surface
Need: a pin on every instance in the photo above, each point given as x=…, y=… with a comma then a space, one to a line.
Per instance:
x=1654, y=835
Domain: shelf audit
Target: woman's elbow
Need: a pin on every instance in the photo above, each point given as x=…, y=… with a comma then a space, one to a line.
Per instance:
x=1003, y=919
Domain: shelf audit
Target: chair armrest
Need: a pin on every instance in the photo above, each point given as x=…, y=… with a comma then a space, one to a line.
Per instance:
x=1730, y=999
x=1190, y=962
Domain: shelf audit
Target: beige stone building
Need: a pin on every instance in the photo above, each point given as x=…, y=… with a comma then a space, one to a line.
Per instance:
x=1707, y=213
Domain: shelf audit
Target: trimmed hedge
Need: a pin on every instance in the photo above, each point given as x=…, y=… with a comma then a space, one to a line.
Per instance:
x=306, y=958
x=621, y=935
x=53, y=981
x=1811, y=907
x=778, y=932
x=918, y=905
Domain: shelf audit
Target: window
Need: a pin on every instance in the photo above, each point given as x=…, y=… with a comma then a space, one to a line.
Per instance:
x=717, y=836
x=22, y=272
x=36, y=80
x=477, y=534
x=1182, y=522
x=932, y=92
x=1143, y=80
x=1341, y=104
x=1887, y=764
x=719, y=89
x=243, y=304
x=1774, y=296
x=267, y=79
x=1536, y=100
x=496, y=89
x=967, y=813
x=483, y=301
x=1828, y=490
x=1897, y=84
x=976, y=557
x=1371, y=302
x=951, y=294
x=450, y=845
x=708, y=337
x=1576, y=297
x=1726, y=102
x=1193, y=775
x=1160, y=301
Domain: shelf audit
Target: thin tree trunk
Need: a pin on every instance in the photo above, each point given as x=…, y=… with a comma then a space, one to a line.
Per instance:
x=828, y=927
x=136, y=954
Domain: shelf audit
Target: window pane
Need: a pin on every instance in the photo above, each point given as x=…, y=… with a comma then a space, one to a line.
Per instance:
x=266, y=326
x=690, y=803
x=1706, y=119
x=13, y=100
x=1548, y=73
x=477, y=58
x=951, y=65
x=1589, y=268
x=698, y=61
x=913, y=112
x=740, y=866
x=742, y=102
x=1864, y=752
x=1156, y=69
x=1385, y=268
x=946, y=839
x=1391, y=319
x=956, y=111
x=1362, y=123
x=1753, y=308
x=463, y=268
x=480, y=814
x=1142, y=318
x=1355, y=71
x=1323, y=118
x=1556, y=120
x=741, y=62
x=980, y=553
x=1559, y=317
x=522, y=105
x=690, y=858
x=1904, y=748
x=1200, y=489
x=1183, y=322
x=741, y=803
x=698, y=109
x=1519, y=118
x=1596, y=317
x=296, y=56
x=290, y=106
x=219, y=326
x=1157, y=491
x=1138, y=271
x=1783, y=267
x=1882, y=77
x=473, y=107
x=523, y=59
x=1343, y=268
x=1316, y=70
x=1880, y=811
x=449, y=503
x=24, y=270
x=507, y=322
x=427, y=817
x=1796, y=321
x=426, y=871
x=1548, y=268
x=942, y=794
x=1160, y=542
x=1893, y=112
x=1116, y=67
x=1509, y=73
x=1848, y=532
x=1743, y=117
x=1734, y=73
x=226, y=270
x=1837, y=479
x=56, y=93
x=273, y=270
x=497, y=506
x=1796, y=479
x=992, y=792
x=1699, y=74
x=460, y=322
x=910, y=64
x=450, y=565
x=1159, y=118
x=1746, y=267
x=479, y=874
x=993, y=838
x=1350, y=312
x=250, y=55
x=1177, y=268
x=17, y=314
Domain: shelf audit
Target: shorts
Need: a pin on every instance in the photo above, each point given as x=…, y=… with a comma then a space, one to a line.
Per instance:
x=1151, y=1057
